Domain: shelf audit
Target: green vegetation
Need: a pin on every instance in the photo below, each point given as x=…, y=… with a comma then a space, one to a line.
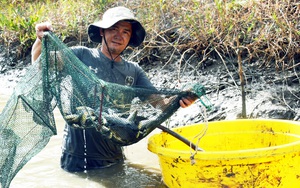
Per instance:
x=266, y=30
x=70, y=19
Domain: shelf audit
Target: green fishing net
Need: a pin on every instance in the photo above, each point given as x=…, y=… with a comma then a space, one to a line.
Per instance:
x=120, y=113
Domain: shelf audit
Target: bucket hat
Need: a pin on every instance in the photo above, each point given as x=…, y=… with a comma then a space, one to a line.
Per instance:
x=111, y=17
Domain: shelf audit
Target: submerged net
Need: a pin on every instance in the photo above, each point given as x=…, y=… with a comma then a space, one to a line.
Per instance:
x=122, y=114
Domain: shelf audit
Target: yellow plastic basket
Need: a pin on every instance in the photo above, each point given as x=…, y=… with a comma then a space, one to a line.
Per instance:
x=237, y=153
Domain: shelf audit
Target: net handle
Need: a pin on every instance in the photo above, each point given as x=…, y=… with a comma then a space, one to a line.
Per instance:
x=179, y=137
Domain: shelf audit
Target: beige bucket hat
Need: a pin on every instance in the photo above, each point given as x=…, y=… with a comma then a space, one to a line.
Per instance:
x=111, y=17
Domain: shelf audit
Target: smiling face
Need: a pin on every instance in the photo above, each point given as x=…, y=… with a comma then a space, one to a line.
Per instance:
x=117, y=38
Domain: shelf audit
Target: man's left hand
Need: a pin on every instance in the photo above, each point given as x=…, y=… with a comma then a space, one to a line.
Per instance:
x=187, y=101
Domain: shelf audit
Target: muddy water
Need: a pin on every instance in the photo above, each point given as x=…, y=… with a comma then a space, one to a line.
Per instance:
x=141, y=169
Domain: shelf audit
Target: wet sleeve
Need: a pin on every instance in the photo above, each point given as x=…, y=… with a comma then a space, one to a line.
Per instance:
x=142, y=79
x=78, y=51
x=144, y=82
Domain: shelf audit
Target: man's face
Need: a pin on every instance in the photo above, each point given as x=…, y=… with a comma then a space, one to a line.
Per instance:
x=117, y=37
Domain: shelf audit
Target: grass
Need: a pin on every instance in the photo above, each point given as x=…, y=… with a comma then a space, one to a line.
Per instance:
x=266, y=30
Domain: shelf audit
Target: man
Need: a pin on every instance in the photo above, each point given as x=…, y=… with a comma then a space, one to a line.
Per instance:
x=118, y=29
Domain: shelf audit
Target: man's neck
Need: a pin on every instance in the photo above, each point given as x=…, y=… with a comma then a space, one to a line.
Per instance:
x=114, y=57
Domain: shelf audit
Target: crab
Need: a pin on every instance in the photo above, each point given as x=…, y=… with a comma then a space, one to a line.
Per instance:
x=122, y=131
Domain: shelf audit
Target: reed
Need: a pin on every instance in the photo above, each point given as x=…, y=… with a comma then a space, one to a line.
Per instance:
x=268, y=30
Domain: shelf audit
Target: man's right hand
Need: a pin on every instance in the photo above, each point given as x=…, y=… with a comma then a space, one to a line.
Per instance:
x=36, y=48
x=41, y=27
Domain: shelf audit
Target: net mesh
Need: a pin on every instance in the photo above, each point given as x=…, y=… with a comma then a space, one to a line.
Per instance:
x=120, y=113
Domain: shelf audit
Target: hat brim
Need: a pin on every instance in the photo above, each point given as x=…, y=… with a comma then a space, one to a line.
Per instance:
x=137, y=37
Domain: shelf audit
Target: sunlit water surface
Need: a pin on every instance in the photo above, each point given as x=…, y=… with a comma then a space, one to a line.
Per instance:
x=141, y=169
